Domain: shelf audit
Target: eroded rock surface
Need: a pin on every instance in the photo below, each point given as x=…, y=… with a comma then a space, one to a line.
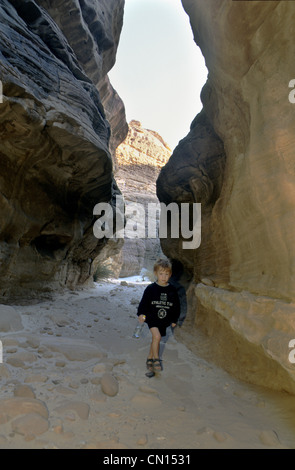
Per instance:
x=55, y=160
x=240, y=166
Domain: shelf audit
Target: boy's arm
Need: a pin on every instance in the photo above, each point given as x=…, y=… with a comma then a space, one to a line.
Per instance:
x=144, y=303
x=176, y=309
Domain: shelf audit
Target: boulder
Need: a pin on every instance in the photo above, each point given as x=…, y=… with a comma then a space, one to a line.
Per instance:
x=10, y=319
x=109, y=385
x=16, y=406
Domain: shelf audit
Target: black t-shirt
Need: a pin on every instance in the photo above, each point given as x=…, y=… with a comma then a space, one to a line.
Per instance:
x=160, y=305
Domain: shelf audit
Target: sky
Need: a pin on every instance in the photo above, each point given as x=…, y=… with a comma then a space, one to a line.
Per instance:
x=159, y=70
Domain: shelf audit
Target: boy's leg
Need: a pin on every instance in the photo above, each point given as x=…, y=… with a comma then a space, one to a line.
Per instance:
x=155, y=344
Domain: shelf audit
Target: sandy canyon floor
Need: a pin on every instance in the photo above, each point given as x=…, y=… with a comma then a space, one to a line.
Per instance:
x=72, y=377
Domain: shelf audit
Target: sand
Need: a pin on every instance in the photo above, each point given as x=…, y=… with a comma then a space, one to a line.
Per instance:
x=73, y=377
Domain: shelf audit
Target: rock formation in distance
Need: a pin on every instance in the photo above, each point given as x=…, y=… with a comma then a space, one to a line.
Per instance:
x=138, y=161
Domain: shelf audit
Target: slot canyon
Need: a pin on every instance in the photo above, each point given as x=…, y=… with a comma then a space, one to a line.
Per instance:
x=62, y=125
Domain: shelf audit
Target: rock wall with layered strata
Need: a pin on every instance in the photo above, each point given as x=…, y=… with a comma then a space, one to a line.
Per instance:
x=238, y=161
x=55, y=147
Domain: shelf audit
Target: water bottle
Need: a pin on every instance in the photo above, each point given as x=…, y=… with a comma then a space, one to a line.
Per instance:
x=138, y=330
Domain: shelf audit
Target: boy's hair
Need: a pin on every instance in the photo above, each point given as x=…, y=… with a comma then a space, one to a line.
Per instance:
x=164, y=264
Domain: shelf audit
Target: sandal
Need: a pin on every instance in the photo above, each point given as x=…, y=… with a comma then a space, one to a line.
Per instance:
x=157, y=364
x=149, y=364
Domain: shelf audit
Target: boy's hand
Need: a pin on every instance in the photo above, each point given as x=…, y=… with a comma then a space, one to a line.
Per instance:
x=173, y=325
x=142, y=318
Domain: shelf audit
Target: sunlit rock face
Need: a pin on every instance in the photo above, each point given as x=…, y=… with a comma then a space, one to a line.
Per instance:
x=55, y=160
x=139, y=159
x=242, y=295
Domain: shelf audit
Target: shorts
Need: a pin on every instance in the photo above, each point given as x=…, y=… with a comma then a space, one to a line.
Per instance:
x=161, y=328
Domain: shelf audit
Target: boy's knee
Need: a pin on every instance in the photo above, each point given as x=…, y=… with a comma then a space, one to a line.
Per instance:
x=156, y=334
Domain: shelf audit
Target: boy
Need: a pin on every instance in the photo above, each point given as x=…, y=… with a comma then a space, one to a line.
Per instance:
x=159, y=308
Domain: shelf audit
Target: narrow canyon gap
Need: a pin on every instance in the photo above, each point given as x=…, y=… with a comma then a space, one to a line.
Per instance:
x=61, y=121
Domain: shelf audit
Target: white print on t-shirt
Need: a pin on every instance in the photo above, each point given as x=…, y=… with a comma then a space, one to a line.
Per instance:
x=162, y=302
x=162, y=313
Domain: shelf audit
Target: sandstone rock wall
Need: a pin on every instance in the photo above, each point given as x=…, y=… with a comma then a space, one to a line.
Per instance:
x=92, y=29
x=239, y=162
x=55, y=144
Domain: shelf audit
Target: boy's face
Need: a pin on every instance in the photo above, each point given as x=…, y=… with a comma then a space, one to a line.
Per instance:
x=163, y=275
